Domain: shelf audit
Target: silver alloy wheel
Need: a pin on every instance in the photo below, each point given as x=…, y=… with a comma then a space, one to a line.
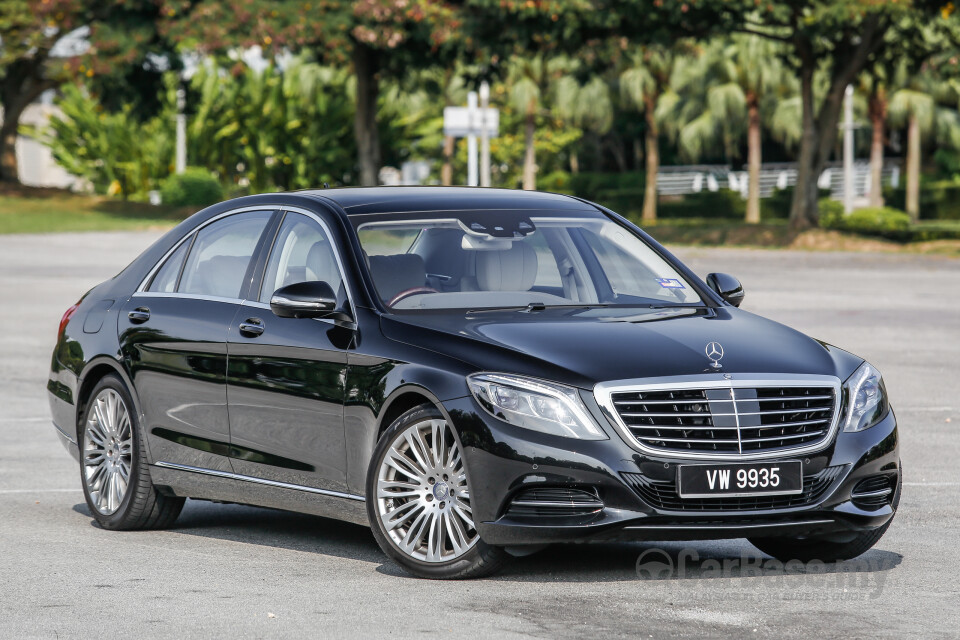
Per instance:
x=107, y=451
x=422, y=495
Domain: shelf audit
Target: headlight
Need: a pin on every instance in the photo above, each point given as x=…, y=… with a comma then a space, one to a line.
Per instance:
x=866, y=401
x=533, y=404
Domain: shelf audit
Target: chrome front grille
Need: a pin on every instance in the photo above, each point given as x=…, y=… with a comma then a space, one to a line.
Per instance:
x=720, y=418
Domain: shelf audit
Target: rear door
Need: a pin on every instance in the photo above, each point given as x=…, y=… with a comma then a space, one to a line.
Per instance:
x=173, y=335
x=286, y=375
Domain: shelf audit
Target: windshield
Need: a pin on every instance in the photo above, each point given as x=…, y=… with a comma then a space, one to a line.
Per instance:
x=481, y=260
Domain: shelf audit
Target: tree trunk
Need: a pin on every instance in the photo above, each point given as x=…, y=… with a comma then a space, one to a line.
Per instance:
x=8, y=150
x=574, y=162
x=366, y=67
x=913, y=167
x=653, y=162
x=820, y=125
x=446, y=172
x=13, y=107
x=529, y=156
x=878, y=115
x=753, y=161
x=817, y=142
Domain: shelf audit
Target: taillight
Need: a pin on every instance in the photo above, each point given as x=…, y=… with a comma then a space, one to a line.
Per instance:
x=66, y=318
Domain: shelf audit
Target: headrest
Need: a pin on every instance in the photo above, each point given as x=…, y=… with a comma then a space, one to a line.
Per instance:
x=513, y=269
x=396, y=273
x=321, y=264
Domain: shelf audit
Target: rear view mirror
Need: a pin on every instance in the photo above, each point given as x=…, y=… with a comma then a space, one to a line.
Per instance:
x=728, y=287
x=304, y=300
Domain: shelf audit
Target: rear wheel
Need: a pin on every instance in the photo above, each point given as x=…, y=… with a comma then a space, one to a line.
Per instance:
x=113, y=467
x=418, y=501
x=825, y=549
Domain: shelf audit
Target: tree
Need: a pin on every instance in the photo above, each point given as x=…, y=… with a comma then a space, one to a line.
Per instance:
x=36, y=52
x=533, y=85
x=587, y=106
x=919, y=104
x=379, y=38
x=734, y=86
x=642, y=85
x=841, y=38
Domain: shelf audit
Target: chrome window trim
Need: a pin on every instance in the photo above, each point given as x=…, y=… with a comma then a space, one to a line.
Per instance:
x=603, y=393
x=142, y=289
x=271, y=483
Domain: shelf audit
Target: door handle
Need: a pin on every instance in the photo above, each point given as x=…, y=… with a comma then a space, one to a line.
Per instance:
x=251, y=327
x=139, y=315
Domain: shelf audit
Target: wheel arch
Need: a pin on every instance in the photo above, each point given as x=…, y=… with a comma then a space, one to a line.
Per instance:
x=404, y=399
x=95, y=371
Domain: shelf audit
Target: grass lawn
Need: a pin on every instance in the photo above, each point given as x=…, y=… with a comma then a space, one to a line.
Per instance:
x=25, y=210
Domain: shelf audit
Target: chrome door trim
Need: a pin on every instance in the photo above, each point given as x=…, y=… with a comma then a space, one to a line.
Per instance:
x=270, y=483
x=603, y=393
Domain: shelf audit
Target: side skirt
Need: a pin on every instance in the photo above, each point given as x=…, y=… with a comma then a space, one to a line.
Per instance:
x=211, y=484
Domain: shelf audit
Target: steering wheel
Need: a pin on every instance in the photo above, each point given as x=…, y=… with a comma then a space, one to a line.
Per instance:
x=406, y=293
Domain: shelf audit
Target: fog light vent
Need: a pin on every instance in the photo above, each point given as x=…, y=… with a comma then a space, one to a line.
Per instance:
x=873, y=492
x=547, y=501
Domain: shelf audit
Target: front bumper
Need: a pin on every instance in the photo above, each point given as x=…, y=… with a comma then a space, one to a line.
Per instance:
x=504, y=462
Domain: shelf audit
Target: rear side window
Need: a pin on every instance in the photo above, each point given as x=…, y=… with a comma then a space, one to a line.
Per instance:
x=165, y=281
x=221, y=254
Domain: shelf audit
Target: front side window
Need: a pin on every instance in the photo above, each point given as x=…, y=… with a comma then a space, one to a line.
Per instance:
x=221, y=254
x=490, y=260
x=302, y=253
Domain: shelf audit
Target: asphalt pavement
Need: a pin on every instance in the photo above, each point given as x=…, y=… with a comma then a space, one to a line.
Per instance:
x=243, y=572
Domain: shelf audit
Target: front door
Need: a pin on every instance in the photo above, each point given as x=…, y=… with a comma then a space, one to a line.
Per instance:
x=286, y=375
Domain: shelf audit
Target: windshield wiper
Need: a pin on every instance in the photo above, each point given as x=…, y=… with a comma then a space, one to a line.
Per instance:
x=542, y=306
x=539, y=306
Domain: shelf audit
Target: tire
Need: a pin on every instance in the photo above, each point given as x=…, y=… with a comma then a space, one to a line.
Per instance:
x=434, y=537
x=823, y=549
x=113, y=464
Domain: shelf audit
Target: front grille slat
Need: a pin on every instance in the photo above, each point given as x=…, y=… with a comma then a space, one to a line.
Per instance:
x=689, y=440
x=787, y=410
x=662, y=494
x=728, y=420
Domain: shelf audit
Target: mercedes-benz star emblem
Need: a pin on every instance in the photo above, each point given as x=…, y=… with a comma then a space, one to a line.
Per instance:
x=714, y=351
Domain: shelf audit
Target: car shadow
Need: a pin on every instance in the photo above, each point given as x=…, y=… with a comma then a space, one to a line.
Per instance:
x=272, y=528
x=595, y=562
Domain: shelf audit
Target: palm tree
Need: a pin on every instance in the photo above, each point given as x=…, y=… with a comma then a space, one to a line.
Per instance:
x=874, y=86
x=733, y=86
x=529, y=80
x=587, y=106
x=918, y=104
x=642, y=85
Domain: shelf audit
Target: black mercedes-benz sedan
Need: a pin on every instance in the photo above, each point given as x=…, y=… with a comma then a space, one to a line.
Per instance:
x=473, y=373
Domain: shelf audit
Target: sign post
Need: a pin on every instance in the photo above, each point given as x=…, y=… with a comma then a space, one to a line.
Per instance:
x=472, y=119
x=469, y=122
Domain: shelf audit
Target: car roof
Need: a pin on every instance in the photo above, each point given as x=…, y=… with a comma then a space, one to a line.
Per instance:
x=372, y=200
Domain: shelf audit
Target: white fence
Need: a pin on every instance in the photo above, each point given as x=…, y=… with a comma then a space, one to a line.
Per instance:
x=683, y=180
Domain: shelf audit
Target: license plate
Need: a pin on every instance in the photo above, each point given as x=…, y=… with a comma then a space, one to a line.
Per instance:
x=733, y=480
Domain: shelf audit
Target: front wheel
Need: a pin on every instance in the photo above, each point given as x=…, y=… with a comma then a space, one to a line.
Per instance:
x=418, y=501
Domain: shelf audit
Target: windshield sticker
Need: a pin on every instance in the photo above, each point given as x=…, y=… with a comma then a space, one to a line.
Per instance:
x=670, y=283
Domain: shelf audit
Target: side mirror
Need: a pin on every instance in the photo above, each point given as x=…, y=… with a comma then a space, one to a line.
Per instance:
x=304, y=300
x=727, y=286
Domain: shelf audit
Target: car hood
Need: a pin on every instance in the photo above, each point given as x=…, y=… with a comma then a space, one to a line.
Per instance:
x=582, y=347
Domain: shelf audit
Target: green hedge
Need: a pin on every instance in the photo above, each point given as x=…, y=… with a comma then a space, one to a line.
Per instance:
x=194, y=187
x=884, y=222
x=938, y=200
